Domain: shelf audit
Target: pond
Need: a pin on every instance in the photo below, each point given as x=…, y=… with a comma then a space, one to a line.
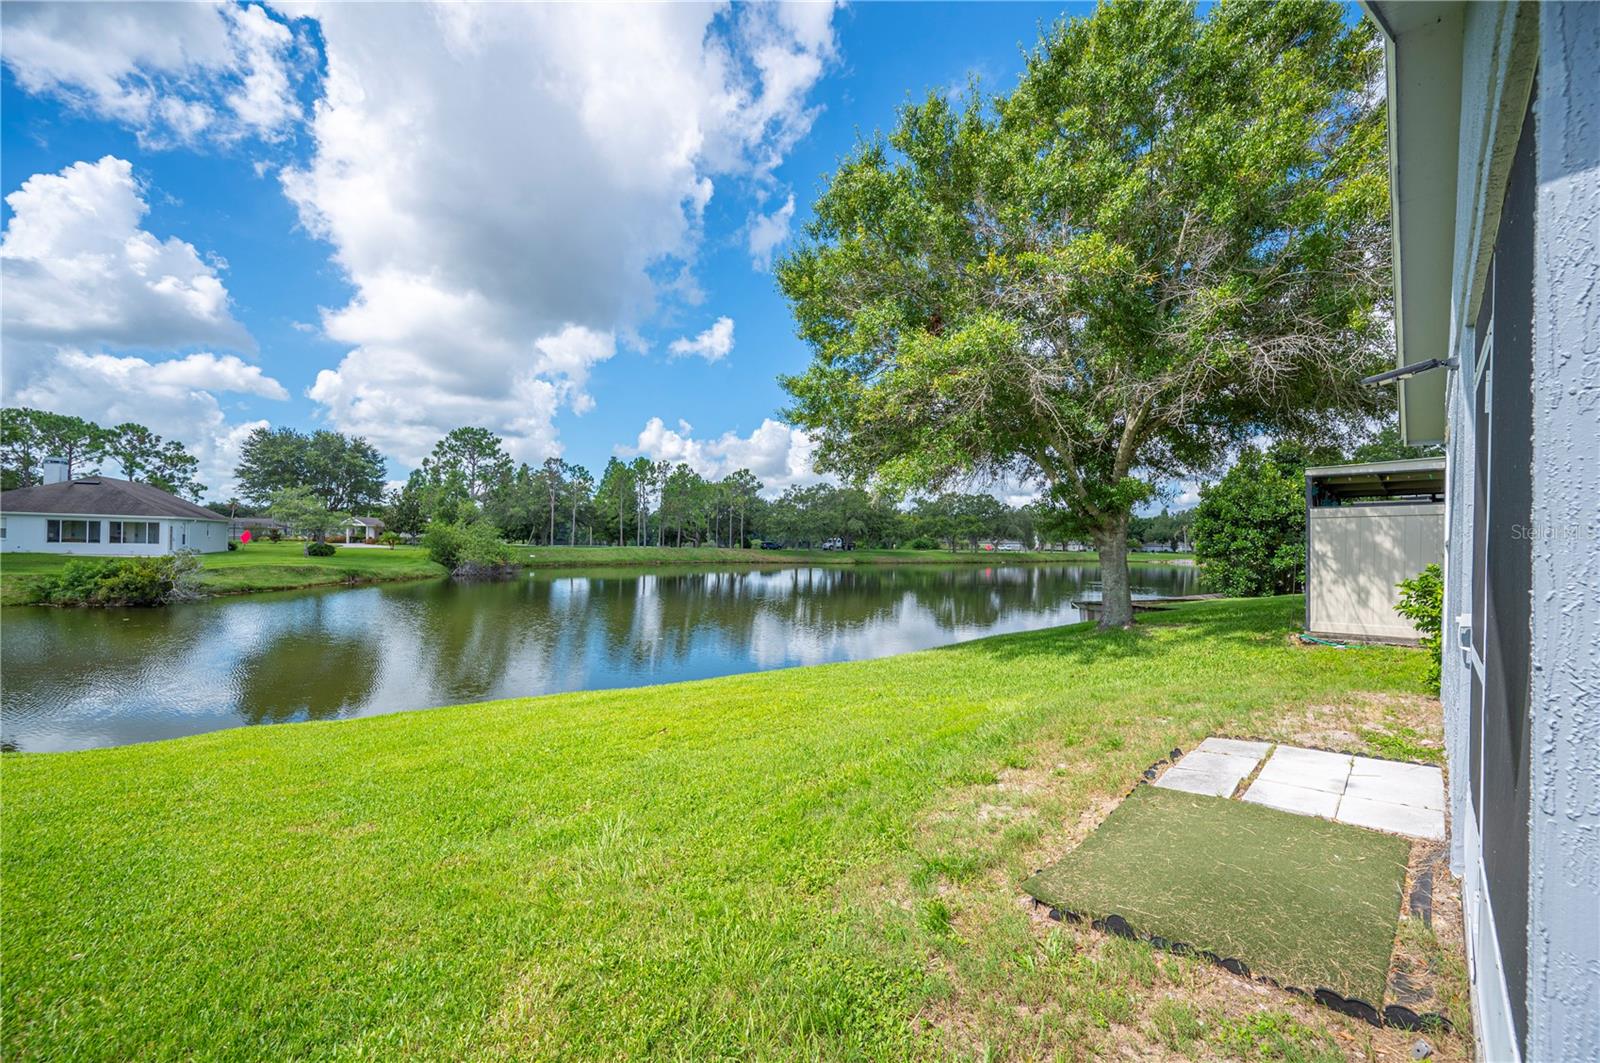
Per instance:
x=81, y=678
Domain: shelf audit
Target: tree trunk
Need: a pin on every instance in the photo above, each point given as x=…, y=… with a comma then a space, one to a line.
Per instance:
x=1116, y=596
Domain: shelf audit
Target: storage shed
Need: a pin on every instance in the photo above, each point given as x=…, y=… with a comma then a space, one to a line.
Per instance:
x=1368, y=527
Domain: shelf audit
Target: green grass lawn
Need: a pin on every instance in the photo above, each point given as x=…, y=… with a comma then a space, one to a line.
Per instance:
x=804, y=863
x=262, y=566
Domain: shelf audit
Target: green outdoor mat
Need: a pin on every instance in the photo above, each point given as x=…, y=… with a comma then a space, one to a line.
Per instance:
x=1306, y=902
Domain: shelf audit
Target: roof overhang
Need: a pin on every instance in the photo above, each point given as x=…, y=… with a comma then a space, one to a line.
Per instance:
x=1422, y=60
x=1408, y=478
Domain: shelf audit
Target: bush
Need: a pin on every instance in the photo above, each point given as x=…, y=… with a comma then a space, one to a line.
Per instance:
x=233, y=544
x=1422, y=603
x=134, y=581
x=320, y=550
x=457, y=546
x=443, y=543
x=922, y=542
x=1250, y=528
x=76, y=584
x=275, y=534
x=389, y=539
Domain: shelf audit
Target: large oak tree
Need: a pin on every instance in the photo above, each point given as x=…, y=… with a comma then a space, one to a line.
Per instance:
x=345, y=472
x=1168, y=238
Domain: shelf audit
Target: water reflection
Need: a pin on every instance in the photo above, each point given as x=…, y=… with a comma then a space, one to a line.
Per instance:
x=72, y=679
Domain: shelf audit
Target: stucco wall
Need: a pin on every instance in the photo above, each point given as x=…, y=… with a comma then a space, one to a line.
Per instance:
x=1564, y=916
x=26, y=532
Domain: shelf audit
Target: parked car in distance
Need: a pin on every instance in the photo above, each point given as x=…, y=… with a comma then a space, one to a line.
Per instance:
x=835, y=543
x=768, y=544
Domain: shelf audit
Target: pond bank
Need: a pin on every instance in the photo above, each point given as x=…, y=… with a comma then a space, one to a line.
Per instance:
x=267, y=566
x=760, y=865
x=666, y=556
x=253, y=568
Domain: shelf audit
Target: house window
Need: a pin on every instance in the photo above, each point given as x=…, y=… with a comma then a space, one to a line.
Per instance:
x=135, y=531
x=72, y=531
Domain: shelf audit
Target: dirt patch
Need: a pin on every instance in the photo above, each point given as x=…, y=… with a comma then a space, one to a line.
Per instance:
x=1402, y=726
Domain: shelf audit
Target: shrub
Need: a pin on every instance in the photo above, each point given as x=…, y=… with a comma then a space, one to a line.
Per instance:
x=75, y=584
x=275, y=534
x=320, y=550
x=443, y=543
x=1250, y=528
x=922, y=542
x=233, y=544
x=389, y=539
x=1422, y=603
x=484, y=546
x=134, y=581
x=459, y=545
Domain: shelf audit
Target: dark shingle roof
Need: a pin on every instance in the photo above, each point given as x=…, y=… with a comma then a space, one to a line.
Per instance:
x=102, y=496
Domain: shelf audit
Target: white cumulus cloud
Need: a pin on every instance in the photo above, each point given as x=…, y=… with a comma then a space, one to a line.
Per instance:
x=499, y=181
x=177, y=398
x=779, y=454
x=172, y=71
x=80, y=271
x=767, y=232
x=714, y=344
x=80, y=277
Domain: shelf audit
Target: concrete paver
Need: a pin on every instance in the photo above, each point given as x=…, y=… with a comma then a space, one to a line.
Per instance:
x=1363, y=791
x=1397, y=819
x=1209, y=771
x=1312, y=769
x=1286, y=798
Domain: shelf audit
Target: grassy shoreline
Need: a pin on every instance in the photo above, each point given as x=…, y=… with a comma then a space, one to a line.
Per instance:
x=255, y=568
x=264, y=566
x=818, y=862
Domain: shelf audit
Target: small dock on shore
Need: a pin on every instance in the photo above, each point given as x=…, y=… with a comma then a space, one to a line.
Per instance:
x=1091, y=605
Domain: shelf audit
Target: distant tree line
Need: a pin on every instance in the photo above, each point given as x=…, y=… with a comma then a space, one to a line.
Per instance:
x=469, y=478
x=315, y=480
x=128, y=450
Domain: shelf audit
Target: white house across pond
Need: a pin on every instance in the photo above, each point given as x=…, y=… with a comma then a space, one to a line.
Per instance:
x=106, y=517
x=365, y=529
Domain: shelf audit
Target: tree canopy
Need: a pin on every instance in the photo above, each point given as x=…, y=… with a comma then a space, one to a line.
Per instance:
x=1170, y=237
x=28, y=436
x=345, y=472
x=1250, y=526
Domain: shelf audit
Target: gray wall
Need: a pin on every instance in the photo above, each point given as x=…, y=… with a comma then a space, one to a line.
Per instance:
x=1564, y=916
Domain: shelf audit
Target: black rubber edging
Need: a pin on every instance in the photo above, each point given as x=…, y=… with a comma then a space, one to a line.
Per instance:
x=1396, y=1015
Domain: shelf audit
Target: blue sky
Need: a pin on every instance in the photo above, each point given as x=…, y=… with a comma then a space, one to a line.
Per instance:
x=395, y=220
